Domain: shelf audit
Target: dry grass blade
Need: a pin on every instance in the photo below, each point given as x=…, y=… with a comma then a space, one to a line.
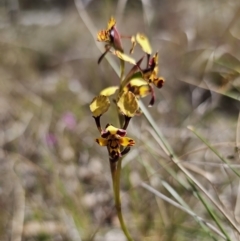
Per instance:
x=237, y=204
x=120, y=8
x=164, y=144
x=160, y=195
x=214, y=150
x=19, y=209
x=148, y=11
x=238, y=136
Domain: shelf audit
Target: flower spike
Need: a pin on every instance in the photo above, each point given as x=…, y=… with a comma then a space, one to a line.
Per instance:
x=150, y=74
x=133, y=85
x=140, y=88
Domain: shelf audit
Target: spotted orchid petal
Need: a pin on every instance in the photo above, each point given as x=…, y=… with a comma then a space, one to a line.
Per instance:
x=99, y=105
x=128, y=104
x=113, y=130
x=126, y=141
x=158, y=82
x=102, y=141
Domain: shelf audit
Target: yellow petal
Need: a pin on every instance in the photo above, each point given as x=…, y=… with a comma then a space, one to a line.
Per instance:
x=139, y=90
x=126, y=141
x=99, y=105
x=138, y=82
x=103, y=36
x=133, y=41
x=144, y=43
x=155, y=71
x=109, y=91
x=101, y=141
x=111, y=23
x=155, y=59
x=144, y=90
x=113, y=130
x=124, y=57
x=128, y=104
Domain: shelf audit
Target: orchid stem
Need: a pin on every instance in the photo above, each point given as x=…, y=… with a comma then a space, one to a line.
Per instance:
x=116, y=171
x=116, y=174
x=122, y=69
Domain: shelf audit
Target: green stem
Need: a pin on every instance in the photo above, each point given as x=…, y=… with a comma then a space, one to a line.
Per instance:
x=116, y=174
x=122, y=69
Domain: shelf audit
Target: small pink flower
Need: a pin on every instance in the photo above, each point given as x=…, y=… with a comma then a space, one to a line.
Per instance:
x=51, y=139
x=69, y=120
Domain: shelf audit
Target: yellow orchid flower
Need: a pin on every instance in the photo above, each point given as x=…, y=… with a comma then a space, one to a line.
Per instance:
x=111, y=36
x=151, y=72
x=113, y=138
x=140, y=88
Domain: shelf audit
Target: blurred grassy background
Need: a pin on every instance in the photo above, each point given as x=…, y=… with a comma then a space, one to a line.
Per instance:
x=55, y=182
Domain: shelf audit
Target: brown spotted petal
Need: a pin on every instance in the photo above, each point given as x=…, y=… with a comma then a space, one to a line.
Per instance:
x=99, y=105
x=102, y=141
x=128, y=103
x=113, y=138
x=113, y=130
x=126, y=141
x=158, y=82
x=141, y=89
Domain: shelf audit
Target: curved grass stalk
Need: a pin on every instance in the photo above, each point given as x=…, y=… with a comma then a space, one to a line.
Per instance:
x=185, y=209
